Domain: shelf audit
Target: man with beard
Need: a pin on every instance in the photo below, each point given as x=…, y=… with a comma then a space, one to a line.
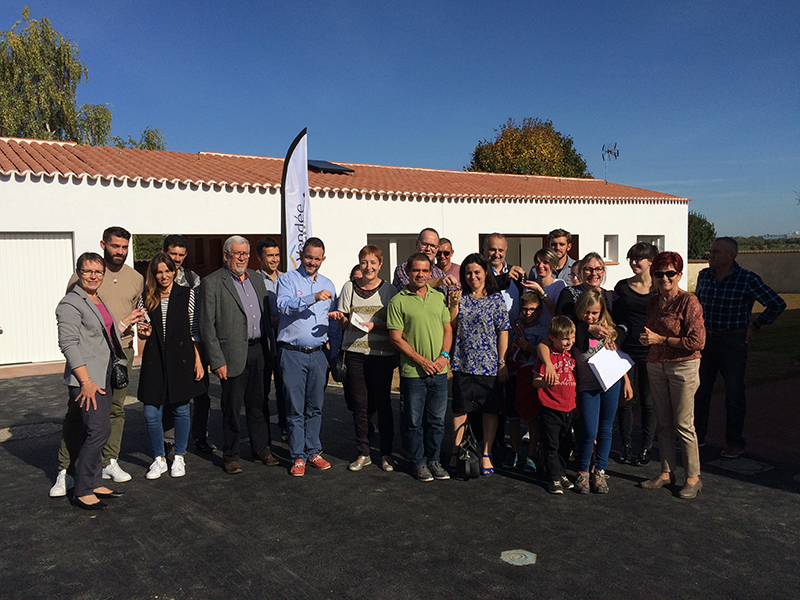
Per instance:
x=560, y=242
x=237, y=336
x=121, y=289
x=305, y=303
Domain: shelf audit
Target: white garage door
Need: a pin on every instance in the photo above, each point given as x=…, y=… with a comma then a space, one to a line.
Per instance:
x=34, y=270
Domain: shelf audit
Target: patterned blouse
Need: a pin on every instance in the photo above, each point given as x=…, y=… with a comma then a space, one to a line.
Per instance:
x=681, y=317
x=479, y=322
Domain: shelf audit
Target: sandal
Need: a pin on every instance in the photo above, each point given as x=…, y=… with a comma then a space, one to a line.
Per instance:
x=453, y=469
x=486, y=471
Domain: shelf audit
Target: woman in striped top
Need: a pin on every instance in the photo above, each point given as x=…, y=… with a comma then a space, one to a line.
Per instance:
x=172, y=372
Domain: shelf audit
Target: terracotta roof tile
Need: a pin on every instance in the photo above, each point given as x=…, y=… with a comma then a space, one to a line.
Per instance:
x=35, y=157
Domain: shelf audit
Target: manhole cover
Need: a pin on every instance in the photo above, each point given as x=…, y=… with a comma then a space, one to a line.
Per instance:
x=519, y=557
x=743, y=466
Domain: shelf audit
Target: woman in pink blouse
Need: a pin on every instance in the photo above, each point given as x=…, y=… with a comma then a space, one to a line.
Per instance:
x=675, y=333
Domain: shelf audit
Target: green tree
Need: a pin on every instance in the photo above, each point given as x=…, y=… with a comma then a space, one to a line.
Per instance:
x=532, y=148
x=39, y=75
x=146, y=246
x=151, y=139
x=701, y=235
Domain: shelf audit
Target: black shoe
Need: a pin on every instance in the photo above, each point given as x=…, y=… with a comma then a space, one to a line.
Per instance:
x=626, y=456
x=644, y=458
x=205, y=445
x=111, y=494
x=169, y=451
x=81, y=504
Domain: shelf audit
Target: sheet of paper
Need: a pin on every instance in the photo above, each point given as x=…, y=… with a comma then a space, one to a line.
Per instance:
x=358, y=322
x=609, y=366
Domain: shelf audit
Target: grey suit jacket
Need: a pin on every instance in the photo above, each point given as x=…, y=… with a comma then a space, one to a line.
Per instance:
x=82, y=338
x=223, y=324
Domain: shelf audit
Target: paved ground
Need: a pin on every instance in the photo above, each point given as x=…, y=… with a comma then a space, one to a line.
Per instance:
x=338, y=534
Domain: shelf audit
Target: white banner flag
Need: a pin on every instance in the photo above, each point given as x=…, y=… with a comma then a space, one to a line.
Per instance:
x=296, y=205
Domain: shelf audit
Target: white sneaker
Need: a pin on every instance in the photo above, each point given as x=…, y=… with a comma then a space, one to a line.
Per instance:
x=157, y=469
x=178, y=467
x=115, y=472
x=63, y=483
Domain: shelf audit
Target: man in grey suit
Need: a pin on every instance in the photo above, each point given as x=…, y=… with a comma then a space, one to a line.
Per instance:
x=237, y=337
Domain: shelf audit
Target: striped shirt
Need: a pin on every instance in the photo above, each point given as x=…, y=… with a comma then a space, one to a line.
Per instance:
x=728, y=304
x=194, y=327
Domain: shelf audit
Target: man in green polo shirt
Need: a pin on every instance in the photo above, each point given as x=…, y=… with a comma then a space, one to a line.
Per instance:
x=419, y=327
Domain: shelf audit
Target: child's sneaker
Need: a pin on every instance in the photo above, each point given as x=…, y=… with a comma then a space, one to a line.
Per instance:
x=530, y=466
x=600, y=482
x=566, y=483
x=555, y=487
x=582, y=483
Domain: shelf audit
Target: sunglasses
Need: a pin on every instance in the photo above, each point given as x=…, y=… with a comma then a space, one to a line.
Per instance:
x=444, y=253
x=661, y=274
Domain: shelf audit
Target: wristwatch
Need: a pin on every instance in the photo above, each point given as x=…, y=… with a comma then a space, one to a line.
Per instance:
x=501, y=362
x=445, y=354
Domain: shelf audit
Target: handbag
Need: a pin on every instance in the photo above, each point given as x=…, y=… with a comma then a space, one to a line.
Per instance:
x=338, y=367
x=119, y=376
x=468, y=462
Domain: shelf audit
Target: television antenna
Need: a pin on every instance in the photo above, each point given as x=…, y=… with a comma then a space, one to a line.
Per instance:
x=610, y=153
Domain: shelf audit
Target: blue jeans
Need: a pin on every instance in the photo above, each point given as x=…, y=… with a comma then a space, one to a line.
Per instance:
x=155, y=428
x=597, y=410
x=423, y=404
x=304, y=377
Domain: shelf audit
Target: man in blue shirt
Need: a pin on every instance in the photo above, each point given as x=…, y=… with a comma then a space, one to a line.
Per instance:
x=727, y=292
x=305, y=302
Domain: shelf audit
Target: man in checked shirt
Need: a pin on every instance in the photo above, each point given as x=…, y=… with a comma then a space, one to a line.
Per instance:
x=727, y=293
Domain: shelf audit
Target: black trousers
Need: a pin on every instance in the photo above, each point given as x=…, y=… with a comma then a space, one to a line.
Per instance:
x=555, y=440
x=271, y=370
x=369, y=383
x=245, y=389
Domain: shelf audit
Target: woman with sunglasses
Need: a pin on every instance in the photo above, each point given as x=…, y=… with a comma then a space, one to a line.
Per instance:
x=675, y=333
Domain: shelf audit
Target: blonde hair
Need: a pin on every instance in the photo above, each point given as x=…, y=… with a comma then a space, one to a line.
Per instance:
x=590, y=298
x=560, y=326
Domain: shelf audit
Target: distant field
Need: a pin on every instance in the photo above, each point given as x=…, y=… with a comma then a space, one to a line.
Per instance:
x=775, y=350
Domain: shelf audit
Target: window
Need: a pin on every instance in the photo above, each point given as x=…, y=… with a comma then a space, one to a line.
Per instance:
x=611, y=248
x=396, y=250
x=655, y=240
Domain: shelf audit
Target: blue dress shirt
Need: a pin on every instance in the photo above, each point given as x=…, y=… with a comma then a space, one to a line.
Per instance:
x=304, y=322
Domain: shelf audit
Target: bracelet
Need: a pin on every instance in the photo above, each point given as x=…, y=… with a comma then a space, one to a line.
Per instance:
x=445, y=354
x=88, y=379
x=124, y=327
x=666, y=341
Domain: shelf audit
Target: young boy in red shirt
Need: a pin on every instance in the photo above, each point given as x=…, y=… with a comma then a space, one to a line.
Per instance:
x=557, y=402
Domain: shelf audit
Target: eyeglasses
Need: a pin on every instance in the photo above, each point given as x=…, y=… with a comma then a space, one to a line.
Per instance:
x=595, y=270
x=444, y=253
x=426, y=244
x=241, y=254
x=95, y=273
x=530, y=310
x=661, y=274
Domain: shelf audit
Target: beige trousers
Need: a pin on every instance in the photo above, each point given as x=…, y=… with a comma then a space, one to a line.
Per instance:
x=673, y=385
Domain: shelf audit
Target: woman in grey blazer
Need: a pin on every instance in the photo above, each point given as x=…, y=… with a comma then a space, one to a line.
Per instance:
x=86, y=334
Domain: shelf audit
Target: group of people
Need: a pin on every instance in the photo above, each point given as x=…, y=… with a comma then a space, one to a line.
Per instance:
x=521, y=346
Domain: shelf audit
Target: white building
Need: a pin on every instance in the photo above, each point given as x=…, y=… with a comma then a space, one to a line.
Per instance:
x=58, y=197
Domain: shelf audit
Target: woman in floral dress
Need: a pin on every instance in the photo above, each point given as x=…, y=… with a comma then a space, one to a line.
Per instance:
x=480, y=324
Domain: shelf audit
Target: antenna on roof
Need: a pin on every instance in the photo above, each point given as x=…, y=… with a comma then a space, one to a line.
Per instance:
x=610, y=153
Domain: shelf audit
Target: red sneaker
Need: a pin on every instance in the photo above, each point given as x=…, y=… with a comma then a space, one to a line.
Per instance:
x=298, y=468
x=319, y=462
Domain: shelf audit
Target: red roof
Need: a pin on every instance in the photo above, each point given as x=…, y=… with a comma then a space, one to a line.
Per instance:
x=47, y=158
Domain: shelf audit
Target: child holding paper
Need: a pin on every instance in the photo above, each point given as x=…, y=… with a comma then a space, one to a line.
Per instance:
x=594, y=331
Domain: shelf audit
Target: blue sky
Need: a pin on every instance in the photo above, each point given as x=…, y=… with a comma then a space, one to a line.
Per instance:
x=702, y=98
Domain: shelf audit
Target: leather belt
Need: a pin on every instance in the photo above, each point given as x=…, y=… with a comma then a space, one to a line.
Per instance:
x=303, y=349
x=254, y=342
